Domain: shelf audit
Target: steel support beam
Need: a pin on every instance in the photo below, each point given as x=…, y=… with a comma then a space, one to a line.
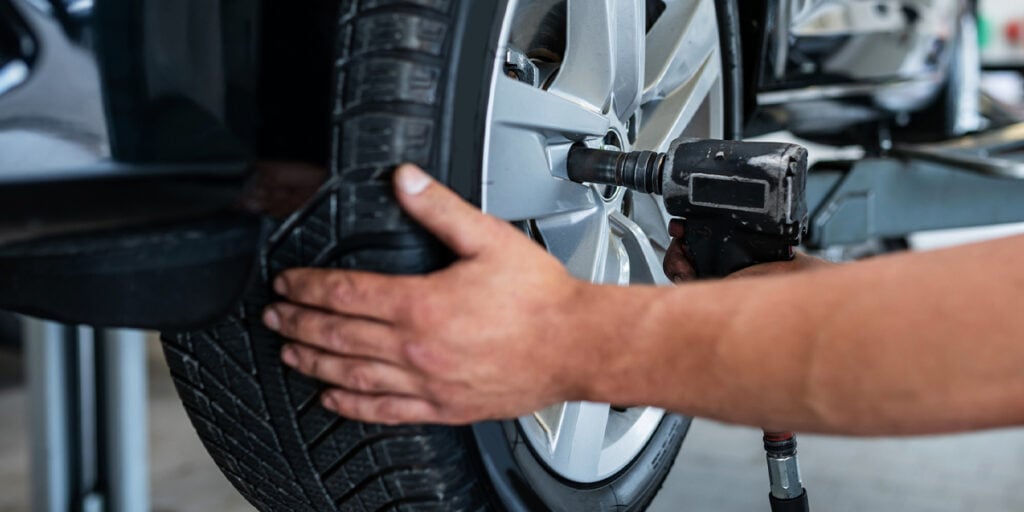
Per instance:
x=88, y=418
x=889, y=198
x=125, y=434
x=46, y=352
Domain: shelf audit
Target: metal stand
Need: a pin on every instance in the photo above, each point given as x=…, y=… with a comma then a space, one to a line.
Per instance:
x=971, y=181
x=88, y=418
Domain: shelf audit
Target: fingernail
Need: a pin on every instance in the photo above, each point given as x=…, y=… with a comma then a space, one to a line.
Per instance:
x=290, y=356
x=281, y=286
x=412, y=180
x=329, y=403
x=271, y=319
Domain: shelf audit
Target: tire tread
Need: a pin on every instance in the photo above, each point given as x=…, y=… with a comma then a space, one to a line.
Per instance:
x=263, y=423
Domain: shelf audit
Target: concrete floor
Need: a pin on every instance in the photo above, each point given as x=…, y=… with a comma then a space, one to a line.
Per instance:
x=721, y=468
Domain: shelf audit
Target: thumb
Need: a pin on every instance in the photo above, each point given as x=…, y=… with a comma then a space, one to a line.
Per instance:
x=458, y=224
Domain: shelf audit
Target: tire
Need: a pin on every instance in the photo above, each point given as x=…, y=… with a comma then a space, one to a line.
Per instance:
x=412, y=78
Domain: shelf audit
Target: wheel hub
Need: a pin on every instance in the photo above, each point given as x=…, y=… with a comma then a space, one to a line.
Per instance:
x=610, y=83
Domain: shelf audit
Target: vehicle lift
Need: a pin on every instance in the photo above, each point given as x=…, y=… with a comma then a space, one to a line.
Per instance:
x=744, y=202
x=88, y=414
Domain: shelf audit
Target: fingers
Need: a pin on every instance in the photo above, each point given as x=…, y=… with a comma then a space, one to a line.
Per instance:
x=676, y=228
x=677, y=264
x=337, y=334
x=355, y=374
x=347, y=292
x=387, y=410
x=460, y=225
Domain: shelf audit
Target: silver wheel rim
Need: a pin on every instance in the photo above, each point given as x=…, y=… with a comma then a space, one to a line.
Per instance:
x=599, y=234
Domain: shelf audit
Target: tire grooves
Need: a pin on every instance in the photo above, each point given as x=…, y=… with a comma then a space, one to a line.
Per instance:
x=366, y=482
x=331, y=428
x=412, y=10
x=306, y=406
x=396, y=108
x=423, y=58
x=334, y=463
x=394, y=505
x=318, y=462
x=199, y=406
x=351, y=452
x=210, y=418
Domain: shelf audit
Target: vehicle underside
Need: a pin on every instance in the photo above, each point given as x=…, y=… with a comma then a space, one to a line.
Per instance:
x=138, y=120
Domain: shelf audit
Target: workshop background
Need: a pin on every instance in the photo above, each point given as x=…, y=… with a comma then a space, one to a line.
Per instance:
x=720, y=467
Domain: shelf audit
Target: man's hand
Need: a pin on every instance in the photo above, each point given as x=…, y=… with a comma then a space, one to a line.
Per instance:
x=679, y=269
x=489, y=337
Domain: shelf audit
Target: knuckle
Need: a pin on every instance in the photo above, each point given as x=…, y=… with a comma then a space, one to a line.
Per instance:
x=311, y=363
x=289, y=318
x=351, y=407
x=428, y=358
x=304, y=364
x=392, y=411
x=336, y=342
x=303, y=325
x=361, y=380
x=418, y=354
x=435, y=391
x=344, y=406
x=344, y=289
x=451, y=415
x=332, y=337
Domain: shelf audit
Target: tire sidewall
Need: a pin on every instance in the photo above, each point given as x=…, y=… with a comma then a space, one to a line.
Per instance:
x=633, y=488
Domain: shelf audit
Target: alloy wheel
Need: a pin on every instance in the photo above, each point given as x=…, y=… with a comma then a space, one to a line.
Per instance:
x=607, y=74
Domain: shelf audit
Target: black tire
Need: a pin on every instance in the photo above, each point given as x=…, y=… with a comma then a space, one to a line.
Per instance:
x=401, y=66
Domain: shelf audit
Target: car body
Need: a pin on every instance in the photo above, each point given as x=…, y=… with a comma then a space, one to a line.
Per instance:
x=128, y=129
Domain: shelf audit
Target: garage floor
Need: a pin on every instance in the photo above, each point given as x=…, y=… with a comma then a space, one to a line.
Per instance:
x=721, y=468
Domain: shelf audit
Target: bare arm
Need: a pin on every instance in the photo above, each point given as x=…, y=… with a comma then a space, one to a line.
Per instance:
x=899, y=345
x=904, y=344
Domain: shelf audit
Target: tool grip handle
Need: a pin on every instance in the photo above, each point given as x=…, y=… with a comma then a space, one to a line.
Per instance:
x=718, y=247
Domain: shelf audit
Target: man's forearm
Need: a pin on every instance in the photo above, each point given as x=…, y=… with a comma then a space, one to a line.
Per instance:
x=914, y=343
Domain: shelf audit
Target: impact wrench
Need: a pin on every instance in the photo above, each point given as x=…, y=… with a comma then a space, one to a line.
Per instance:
x=743, y=203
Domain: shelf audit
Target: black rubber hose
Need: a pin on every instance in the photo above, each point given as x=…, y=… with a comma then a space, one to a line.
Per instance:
x=798, y=504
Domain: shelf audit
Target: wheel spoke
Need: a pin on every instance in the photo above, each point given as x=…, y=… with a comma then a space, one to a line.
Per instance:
x=678, y=45
x=522, y=106
x=666, y=119
x=649, y=213
x=604, y=44
x=580, y=239
x=612, y=68
x=531, y=132
x=645, y=263
x=580, y=439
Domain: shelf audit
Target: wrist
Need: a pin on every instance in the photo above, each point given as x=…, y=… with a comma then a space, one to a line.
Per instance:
x=585, y=340
x=604, y=357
